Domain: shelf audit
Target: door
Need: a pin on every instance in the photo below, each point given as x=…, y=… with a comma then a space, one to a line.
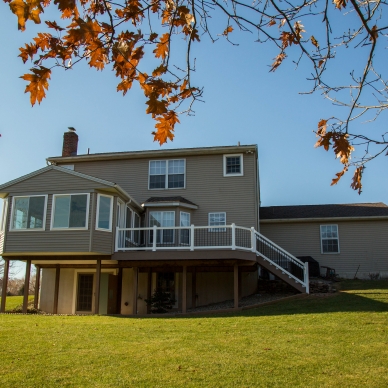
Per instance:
x=112, y=294
x=85, y=292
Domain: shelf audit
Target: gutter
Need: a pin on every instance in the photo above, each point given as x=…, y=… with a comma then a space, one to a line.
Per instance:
x=323, y=219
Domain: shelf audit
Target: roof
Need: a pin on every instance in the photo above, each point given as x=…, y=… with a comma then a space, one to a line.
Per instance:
x=155, y=153
x=350, y=210
x=3, y=187
x=169, y=201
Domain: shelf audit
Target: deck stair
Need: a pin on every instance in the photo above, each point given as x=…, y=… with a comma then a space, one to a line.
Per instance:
x=281, y=263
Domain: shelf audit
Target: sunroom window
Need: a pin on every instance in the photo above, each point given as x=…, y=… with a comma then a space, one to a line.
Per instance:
x=70, y=211
x=104, y=212
x=29, y=212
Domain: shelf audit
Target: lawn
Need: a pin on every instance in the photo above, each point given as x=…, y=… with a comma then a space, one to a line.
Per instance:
x=335, y=341
x=14, y=301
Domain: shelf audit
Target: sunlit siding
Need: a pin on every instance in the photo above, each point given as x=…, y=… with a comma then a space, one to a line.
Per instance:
x=363, y=244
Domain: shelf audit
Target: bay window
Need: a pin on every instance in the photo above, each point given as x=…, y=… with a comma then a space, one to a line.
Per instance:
x=162, y=219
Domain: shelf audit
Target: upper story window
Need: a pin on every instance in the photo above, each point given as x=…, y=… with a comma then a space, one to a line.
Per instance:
x=29, y=212
x=216, y=219
x=104, y=212
x=70, y=211
x=233, y=165
x=329, y=239
x=167, y=174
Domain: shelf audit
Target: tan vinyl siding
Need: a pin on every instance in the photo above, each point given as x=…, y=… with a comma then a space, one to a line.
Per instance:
x=362, y=243
x=103, y=242
x=1, y=242
x=205, y=185
x=53, y=182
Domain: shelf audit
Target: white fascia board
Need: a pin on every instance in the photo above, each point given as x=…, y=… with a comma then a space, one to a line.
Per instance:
x=323, y=219
x=156, y=153
x=170, y=204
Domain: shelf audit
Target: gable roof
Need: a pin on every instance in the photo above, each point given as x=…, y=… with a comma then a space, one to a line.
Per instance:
x=103, y=182
x=155, y=153
x=308, y=212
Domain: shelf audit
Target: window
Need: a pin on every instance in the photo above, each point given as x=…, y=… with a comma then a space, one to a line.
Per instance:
x=104, y=212
x=329, y=239
x=29, y=212
x=136, y=224
x=167, y=174
x=4, y=215
x=216, y=219
x=185, y=233
x=70, y=211
x=162, y=219
x=233, y=165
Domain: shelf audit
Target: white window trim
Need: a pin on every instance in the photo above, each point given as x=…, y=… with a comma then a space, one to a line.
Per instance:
x=242, y=164
x=69, y=228
x=188, y=227
x=11, y=229
x=98, y=212
x=320, y=232
x=211, y=230
x=165, y=227
x=166, y=175
x=4, y=214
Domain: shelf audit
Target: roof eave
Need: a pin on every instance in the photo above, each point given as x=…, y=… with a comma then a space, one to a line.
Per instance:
x=323, y=219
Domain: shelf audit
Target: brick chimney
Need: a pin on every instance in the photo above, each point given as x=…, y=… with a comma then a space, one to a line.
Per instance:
x=70, y=143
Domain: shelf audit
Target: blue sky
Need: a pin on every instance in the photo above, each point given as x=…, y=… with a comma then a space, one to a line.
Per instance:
x=243, y=103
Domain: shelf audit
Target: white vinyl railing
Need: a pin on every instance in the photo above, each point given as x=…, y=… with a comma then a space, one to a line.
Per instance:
x=193, y=238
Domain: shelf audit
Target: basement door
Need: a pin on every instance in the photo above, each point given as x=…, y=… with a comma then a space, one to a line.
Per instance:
x=85, y=292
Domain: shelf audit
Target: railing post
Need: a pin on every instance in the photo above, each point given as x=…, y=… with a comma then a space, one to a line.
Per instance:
x=154, y=240
x=191, y=237
x=117, y=240
x=233, y=237
x=253, y=239
x=306, y=277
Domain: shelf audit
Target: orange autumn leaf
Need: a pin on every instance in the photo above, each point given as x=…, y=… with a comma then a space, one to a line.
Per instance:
x=339, y=175
x=340, y=3
x=155, y=106
x=278, y=60
x=26, y=10
x=271, y=23
x=165, y=127
x=38, y=82
x=342, y=147
x=162, y=47
x=228, y=30
x=356, y=181
x=314, y=41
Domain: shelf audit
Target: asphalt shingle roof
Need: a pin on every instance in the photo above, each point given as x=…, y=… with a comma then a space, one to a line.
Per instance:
x=170, y=199
x=324, y=211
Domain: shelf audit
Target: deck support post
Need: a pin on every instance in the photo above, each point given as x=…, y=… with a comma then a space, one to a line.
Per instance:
x=135, y=288
x=149, y=289
x=5, y=286
x=56, y=288
x=235, y=278
x=184, y=289
x=26, y=285
x=97, y=291
x=194, y=288
x=37, y=285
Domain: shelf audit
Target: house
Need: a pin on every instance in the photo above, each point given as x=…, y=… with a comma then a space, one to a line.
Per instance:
x=107, y=230
x=350, y=238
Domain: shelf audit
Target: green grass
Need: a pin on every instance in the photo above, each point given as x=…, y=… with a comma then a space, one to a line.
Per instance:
x=14, y=301
x=336, y=341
